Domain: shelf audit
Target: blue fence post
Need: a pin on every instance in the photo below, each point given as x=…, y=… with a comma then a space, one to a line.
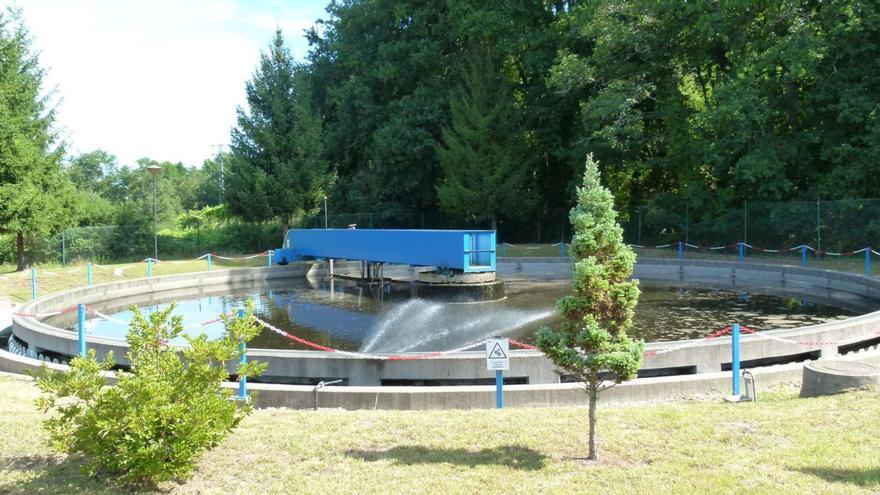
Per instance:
x=242, y=380
x=734, y=362
x=742, y=250
x=89, y=273
x=868, y=261
x=81, y=328
x=562, y=249
x=209, y=262
x=269, y=253
x=804, y=255
x=149, y=267
x=499, y=389
x=33, y=283
x=680, y=251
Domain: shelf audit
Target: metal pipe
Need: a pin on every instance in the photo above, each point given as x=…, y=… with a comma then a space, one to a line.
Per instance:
x=321, y=385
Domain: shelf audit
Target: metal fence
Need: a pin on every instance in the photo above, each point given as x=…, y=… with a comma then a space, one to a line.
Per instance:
x=826, y=226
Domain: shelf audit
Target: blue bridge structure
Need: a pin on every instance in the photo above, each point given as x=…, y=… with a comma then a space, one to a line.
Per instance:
x=465, y=251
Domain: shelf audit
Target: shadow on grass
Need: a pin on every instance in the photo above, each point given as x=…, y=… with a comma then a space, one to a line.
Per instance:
x=54, y=475
x=862, y=477
x=515, y=457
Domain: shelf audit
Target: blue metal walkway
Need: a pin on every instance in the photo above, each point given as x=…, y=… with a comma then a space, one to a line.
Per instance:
x=465, y=250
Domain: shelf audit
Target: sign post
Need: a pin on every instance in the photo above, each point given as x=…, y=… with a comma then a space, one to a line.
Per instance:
x=498, y=359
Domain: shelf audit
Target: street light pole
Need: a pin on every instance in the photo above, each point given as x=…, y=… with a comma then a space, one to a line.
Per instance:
x=154, y=170
x=325, y=211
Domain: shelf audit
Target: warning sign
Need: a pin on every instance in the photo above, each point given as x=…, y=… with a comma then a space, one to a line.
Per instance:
x=497, y=354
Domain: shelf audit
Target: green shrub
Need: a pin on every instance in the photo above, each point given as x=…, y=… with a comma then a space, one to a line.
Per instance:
x=162, y=415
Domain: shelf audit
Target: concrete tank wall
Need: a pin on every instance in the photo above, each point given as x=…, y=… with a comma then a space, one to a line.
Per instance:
x=466, y=367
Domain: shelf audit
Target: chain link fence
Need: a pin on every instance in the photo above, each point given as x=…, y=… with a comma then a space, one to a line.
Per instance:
x=826, y=226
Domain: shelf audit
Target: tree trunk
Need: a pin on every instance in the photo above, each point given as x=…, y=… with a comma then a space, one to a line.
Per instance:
x=19, y=244
x=593, y=397
x=285, y=226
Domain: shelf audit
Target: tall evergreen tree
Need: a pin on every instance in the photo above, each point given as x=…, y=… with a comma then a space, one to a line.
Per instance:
x=483, y=152
x=596, y=315
x=35, y=196
x=277, y=168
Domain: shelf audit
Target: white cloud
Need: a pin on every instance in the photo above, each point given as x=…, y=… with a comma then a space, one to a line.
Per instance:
x=159, y=79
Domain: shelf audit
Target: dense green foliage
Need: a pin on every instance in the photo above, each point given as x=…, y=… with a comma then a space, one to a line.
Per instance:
x=482, y=152
x=699, y=105
x=592, y=338
x=724, y=121
x=162, y=415
x=277, y=167
x=35, y=197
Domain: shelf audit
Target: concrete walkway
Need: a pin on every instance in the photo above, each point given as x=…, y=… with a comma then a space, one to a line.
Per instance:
x=5, y=313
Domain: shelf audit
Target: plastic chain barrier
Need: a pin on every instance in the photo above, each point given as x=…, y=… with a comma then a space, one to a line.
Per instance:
x=46, y=315
x=749, y=246
x=718, y=333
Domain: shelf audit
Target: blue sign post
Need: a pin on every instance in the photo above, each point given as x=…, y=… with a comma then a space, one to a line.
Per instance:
x=680, y=251
x=209, y=262
x=868, y=261
x=89, y=274
x=803, y=255
x=149, y=267
x=81, y=328
x=742, y=250
x=734, y=362
x=498, y=359
x=499, y=389
x=242, y=380
x=33, y=283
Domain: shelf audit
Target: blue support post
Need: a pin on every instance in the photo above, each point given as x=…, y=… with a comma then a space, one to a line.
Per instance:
x=89, y=274
x=868, y=261
x=242, y=380
x=33, y=283
x=742, y=251
x=680, y=251
x=499, y=389
x=269, y=253
x=562, y=249
x=81, y=328
x=149, y=267
x=209, y=262
x=734, y=362
x=804, y=255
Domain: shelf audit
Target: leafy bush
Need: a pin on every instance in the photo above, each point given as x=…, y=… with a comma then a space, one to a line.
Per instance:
x=162, y=415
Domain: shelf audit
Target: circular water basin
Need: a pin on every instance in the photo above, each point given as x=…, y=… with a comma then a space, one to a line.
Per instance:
x=349, y=316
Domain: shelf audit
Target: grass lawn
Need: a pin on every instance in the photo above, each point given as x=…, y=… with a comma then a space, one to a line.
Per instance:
x=780, y=444
x=53, y=278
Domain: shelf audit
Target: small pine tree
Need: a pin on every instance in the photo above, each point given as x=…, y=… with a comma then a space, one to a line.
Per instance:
x=483, y=152
x=592, y=338
x=276, y=168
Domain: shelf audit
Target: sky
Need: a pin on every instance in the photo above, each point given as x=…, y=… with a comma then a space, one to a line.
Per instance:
x=158, y=78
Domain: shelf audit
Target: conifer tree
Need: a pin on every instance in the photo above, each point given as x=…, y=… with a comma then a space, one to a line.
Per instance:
x=591, y=343
x=277, y=167
x=483, y=152
x=35, y=196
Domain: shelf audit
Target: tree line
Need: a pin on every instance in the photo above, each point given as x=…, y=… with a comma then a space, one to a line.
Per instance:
x=482, y=112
